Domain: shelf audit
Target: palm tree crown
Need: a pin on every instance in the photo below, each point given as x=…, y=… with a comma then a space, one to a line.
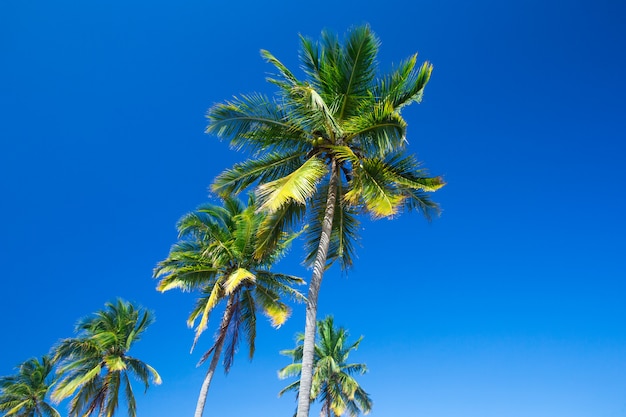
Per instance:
x=341, y=119
x=331, y=146
x=24, y=394
x=215, y=255
x=96, y=364
x=333, y=382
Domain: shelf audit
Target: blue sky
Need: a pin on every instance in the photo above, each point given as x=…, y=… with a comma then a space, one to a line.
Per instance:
x=509, y=304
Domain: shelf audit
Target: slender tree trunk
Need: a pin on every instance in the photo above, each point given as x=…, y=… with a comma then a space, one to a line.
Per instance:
x=328, y=404
x=219, y=343
x=308, y=348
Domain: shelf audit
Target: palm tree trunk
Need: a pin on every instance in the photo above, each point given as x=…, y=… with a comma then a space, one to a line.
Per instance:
x=308, y=348
x=328, y=404
x=219, y=343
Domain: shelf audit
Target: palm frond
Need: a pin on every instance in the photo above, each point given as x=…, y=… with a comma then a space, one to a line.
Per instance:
x=265, y=168
x=296, y=187
x=248, y=320
x=271, y=230
x=255, y=122
x=357, y=70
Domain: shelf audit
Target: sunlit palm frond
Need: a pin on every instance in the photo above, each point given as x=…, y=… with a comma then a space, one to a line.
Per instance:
x=264, y=168
x=371, y=187
x=296, y=187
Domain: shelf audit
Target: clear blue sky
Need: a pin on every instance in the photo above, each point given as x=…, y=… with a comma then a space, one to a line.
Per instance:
x=512, y=303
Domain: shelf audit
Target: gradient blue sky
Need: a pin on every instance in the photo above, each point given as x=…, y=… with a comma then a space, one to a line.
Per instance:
x=512, y=303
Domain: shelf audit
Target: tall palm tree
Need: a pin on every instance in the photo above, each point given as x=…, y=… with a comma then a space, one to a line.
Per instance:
x=331, y=147
x=96, y=364
x=215, y=254
x=24, y=394
x=333, y=381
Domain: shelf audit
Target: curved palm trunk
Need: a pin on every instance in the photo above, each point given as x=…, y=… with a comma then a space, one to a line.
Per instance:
x=219, y=343
x=308, y=348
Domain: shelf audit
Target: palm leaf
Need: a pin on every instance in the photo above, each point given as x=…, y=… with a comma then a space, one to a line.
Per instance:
x=296, y=187
x=265, y=168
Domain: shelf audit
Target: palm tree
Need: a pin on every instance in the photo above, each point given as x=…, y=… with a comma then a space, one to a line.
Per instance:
x=24, y=394
x=215, y=254
x=96, y=364
x=333, y=381
x=331, y=147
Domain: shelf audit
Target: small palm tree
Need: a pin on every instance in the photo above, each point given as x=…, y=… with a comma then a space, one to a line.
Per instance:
x=333, y=382
x=96, y=364
x=331, y=146
x=24, y=394
x=215, y=255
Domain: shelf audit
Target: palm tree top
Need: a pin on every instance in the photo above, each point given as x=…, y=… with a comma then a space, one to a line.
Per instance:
x=95, y=365
x=343, y=114
x=333, y=384
x=24, y=394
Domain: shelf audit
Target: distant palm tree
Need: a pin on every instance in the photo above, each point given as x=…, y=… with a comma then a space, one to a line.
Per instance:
x=215, y=254
x=333, y=382
x=96, y=364
x=24, y=394
x=330, y=146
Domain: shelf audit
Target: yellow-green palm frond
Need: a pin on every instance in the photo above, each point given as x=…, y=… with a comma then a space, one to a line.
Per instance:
x=268, y=302
x=296, y=187
x=372, y=188
x=68, y=385
x=240, y=276
x=203, y=308
x=265, y=168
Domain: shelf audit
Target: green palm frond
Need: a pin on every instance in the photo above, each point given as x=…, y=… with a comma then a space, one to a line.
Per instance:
x=405, y=85
x=128, y=391
x=377, y=131
x=255, y=122
x=231, y=333
x=357, y=70
x=289, y=80
x=272, y=229
x=248, y=319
